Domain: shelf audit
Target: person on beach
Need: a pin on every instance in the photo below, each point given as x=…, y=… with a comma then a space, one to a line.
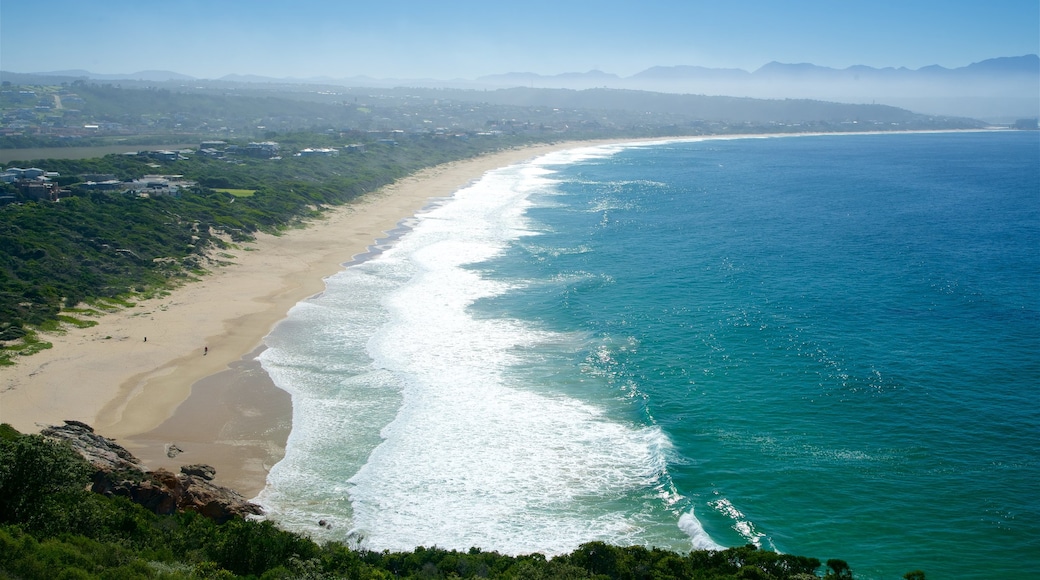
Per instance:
x=205, y=350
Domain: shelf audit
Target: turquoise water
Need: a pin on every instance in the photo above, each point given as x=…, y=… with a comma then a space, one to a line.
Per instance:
x=823, y=345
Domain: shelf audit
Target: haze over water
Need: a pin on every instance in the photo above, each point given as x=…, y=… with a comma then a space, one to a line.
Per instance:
x=823, y=345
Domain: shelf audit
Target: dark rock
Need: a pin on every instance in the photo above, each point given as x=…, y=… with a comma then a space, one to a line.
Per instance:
x=118, y=472
x=215, y=502
x=202, y=470
x=79, y=424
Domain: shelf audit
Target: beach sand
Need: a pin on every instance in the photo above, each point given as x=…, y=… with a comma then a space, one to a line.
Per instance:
x=194, y=382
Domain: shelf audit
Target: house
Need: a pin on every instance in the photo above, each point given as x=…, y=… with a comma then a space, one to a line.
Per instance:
x=37, y=190
x=211, y=152
x=157, y=185
x=31, y=173
x=162, y=155
x=265, y=149
x=318, y=152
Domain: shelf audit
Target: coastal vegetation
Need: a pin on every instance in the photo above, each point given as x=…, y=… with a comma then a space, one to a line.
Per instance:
x=103, y=249
x=51, y=526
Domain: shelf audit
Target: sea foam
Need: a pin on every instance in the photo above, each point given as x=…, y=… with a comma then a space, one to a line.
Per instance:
x=410, y=425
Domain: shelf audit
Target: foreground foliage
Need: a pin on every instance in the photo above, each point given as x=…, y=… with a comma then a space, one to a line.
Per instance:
x=52, y=527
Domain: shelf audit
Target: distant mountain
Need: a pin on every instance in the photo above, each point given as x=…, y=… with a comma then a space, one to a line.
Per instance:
x=1028, y=65
x=998, y=89
x=1018, y=65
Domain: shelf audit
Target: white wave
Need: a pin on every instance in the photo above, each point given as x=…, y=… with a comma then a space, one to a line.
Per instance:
x=699, y=539
x=408, y=426
x=741, y=524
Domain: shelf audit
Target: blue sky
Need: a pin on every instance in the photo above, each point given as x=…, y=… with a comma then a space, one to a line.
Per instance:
x=466, y=39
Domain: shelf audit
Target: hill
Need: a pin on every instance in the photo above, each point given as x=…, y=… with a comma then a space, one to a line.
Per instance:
x=999, y=89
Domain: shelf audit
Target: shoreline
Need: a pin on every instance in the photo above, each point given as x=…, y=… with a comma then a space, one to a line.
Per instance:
x=194, y=382
x=179, y=369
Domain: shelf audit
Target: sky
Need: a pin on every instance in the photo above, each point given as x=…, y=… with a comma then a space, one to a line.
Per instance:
x=413, y=39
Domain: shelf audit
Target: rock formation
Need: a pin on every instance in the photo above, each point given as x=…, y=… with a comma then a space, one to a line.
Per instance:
x=118, y=472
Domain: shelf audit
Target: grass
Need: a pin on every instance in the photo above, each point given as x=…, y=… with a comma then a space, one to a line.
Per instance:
x=53, y=325
x=78, y=317
x=237, y=192
x=27, y=345
x=73, y=321
x=82, y=311
x=111, y=303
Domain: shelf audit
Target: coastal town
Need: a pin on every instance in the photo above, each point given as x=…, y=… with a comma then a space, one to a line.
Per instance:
x=23, y=184
x=36, y=184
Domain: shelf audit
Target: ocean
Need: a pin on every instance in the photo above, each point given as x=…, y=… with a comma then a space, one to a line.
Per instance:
x=824, y=345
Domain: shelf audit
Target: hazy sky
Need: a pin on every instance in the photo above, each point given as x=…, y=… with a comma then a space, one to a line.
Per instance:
x=465, y=39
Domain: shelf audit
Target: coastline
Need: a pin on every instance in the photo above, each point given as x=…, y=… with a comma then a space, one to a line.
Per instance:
x=193, y=382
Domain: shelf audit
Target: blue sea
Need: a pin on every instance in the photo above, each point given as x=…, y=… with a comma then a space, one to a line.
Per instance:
x=821, y=345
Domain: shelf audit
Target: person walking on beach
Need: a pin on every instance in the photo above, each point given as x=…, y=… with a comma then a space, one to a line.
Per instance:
x=205, y=350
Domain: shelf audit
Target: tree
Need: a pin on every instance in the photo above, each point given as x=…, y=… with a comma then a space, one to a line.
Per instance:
x=36, y=475
x=838, y=570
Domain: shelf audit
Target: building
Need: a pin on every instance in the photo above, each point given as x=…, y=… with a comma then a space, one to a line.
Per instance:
x=31, y=173
x=263, y=150
x=162, y=155
x=318, y=152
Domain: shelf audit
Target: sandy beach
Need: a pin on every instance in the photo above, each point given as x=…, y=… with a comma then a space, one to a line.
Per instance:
x=178, y=370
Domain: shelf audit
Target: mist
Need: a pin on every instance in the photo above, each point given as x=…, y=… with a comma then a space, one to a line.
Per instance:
x=998, y=90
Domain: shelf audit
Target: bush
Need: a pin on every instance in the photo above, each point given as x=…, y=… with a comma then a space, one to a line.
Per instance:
x=51, y=527
x=39, y=480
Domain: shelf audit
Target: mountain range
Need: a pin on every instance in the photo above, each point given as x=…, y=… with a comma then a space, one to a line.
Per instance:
x=1024, y=66
x=997, y=89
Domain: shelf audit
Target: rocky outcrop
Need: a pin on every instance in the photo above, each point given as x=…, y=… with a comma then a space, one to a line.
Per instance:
x=118, y=473
x=206, y=472
x=164, y=492
x=102, y=453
